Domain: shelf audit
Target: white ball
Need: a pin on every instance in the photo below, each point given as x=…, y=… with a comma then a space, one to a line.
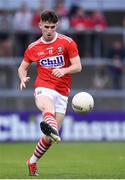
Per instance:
x=82, y=102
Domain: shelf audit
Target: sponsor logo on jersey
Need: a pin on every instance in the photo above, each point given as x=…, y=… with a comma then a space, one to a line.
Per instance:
x=53, y=62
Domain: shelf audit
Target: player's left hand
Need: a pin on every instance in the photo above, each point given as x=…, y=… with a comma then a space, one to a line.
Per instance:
x=58, y=72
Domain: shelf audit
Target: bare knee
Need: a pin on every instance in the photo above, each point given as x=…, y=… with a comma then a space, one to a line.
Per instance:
x=45, y=104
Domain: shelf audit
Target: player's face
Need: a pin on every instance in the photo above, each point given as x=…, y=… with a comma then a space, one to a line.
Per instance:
x=48, y=30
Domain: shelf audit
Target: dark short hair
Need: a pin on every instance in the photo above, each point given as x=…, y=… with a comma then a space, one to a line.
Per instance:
x=49, y=15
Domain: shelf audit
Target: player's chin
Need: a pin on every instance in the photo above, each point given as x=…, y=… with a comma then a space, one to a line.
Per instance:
x=49, y=37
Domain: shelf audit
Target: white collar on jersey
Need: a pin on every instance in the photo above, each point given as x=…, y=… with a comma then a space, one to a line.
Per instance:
x=48, y=42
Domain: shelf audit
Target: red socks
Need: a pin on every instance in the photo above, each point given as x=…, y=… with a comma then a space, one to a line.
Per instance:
x=49, y=118
x=41, y=148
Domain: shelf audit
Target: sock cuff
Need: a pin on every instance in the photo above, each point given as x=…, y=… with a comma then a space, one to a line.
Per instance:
x=49, y=114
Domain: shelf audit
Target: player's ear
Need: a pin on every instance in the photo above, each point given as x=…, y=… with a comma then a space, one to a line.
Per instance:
x=40, y=25
x=57, y=25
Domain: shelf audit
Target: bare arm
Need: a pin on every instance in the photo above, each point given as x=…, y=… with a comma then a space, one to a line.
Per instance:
x=22, y=72
x=73, y=68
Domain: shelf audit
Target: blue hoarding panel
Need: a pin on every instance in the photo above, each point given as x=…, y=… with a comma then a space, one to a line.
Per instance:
x=96, y=126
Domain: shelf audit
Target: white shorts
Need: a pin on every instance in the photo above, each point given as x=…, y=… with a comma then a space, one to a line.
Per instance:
x=59, y=100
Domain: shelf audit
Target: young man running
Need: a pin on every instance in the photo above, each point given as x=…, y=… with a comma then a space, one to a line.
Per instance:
x=56, y=57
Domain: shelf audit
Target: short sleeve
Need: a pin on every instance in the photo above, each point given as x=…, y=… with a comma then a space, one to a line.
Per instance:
x=72, y=49
x=27, y=56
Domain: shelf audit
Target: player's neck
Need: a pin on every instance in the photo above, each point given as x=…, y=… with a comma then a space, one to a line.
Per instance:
x=47, y=42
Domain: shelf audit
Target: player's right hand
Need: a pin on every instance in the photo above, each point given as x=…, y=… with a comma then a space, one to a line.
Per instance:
x=24, y=82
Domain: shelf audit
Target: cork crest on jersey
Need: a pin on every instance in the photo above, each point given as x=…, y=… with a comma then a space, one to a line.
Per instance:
x=53, y=62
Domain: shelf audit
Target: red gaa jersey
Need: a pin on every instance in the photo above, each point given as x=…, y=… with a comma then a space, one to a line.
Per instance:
x=50, y=55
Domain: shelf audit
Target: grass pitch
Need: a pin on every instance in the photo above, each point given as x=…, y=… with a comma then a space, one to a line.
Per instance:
x=65, y=161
